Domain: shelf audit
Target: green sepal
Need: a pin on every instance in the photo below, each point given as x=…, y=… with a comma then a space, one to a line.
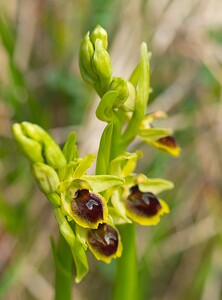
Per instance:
x=118, y=205
x=104, y=110
x=77, y=249
x=81, y=233
x=83, y=165
x=46, y=177
x=153, y=134
x=80, y=260
x=153, y=185
x=104, y=150
x=124, y=164
x=101, y=183
x=117, y=219
x=70, y=149
x=31, y=148
x=64, y=227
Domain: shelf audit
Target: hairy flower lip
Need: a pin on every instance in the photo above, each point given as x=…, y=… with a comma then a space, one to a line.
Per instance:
x=143, y=203
x=168, y=141
x=144, y=208
x=89, y=208
x=104, y=242
x=168, y=144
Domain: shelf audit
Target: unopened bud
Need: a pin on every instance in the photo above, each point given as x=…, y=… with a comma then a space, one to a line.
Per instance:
x=129, y=104
x=50, y=150
x=46, y=177
x=31, y=148
x=101, y=34
x=102, y=65
x=85, y=60
x=120, y=86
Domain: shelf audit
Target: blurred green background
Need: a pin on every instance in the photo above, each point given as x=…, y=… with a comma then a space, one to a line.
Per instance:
x=179, y=259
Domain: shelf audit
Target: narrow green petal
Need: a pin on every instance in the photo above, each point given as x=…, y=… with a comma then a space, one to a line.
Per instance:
x=84, y=164
x=70, y=149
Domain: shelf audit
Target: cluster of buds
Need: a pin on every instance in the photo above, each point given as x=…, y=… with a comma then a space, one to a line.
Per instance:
x=89, y=207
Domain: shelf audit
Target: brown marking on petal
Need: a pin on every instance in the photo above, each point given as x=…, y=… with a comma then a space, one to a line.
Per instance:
x=142, y=203
x=168, y=141
x=104, y=239
x=87, y=206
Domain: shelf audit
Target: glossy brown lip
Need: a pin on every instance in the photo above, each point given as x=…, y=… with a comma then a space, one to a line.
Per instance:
x=142, y=203
x=88, y=206
x=168, y=141
x=104, y=239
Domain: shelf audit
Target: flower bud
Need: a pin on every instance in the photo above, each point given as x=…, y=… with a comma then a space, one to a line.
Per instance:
x=85, y=60
x=129, y=104
x=101, y=34
x=51, y=152
x=120, y=86
x=31, y=148
x=46, y=177
x=104, y=242
x=88, y=209
x=102, y=65
x=144, y=207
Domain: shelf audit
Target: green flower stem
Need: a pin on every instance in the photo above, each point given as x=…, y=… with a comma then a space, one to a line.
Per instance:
x=117, y=146
x=126, y=273
x=63, y=270
x=126, y=281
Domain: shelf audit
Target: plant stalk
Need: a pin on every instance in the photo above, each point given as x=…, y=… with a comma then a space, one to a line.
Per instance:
x=63, y=270
x=126, y=280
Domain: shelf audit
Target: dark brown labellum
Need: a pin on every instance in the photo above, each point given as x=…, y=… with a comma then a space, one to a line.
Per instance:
x=168, y=141
x=88, y=206
x=104, y=239
x=142, y=203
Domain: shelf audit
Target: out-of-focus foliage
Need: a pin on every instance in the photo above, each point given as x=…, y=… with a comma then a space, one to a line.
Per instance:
x=40, y=82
